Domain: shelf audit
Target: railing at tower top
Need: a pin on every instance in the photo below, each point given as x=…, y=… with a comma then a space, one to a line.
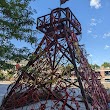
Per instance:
x=58, y=17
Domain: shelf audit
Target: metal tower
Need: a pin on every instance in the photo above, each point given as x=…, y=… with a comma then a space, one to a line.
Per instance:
x=45, y=83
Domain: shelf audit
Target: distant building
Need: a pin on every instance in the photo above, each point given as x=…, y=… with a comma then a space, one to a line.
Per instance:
x=105, y=73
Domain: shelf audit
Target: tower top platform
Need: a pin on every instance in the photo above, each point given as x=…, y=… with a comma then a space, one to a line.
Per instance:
x=57, y=19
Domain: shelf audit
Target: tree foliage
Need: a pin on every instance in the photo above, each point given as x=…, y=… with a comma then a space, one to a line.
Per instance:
x=16, y=22
x=106, y=64
x=95, y=66
x=2, y=77
x=66, y=70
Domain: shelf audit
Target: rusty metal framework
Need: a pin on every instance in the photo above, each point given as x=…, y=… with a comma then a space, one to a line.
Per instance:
x=44, y=84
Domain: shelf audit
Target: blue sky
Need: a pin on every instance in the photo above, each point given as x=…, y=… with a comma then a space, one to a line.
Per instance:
x=95, y=20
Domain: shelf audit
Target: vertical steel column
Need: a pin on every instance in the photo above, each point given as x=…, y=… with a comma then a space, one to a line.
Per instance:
x=72, y=54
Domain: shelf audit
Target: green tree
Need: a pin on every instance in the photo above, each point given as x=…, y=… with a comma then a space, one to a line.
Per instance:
x=16, y=22
x=106, y=64
x=2, y=77
x=66, y=70
x=95, y=66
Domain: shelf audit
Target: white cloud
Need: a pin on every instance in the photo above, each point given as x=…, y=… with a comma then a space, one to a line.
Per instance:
x=107, y=46
x=89, y=31
x=93, y=22
x=95, y=36
x=95, y=3
x=90, y=55
x=106, y=35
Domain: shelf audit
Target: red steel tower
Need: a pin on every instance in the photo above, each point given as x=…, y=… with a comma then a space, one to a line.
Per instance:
x=44, y=83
